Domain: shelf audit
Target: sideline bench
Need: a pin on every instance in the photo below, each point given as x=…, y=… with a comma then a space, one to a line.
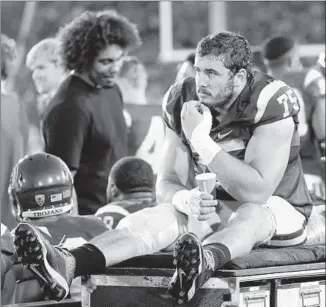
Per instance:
x=143, y=281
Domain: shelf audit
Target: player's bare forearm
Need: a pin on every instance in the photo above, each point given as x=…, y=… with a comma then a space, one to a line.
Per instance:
x=256, y=178
x=240, y=180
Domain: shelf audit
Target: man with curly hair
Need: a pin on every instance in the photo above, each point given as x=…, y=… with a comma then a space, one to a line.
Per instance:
x=84, y=124
x=228, y=120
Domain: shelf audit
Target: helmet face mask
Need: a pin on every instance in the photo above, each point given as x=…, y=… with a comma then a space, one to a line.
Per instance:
x=40, y=186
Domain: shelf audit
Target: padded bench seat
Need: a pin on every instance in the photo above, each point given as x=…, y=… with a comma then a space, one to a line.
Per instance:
x=264, y=259
x=296, y=275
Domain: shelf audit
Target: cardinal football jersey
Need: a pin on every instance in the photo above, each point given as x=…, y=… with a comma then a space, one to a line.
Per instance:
x=264, y=100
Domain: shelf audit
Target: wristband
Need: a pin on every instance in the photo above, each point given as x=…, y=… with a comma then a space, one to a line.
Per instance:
x=204, y=145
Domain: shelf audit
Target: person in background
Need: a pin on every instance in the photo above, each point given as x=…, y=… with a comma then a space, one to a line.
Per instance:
x=41, y=190
x=130, y=189
x=45, y=63
x=186, y=68
x=282, y=59
x=257, y=62
x=14, y=127
x=84, y=124
x=132, y=80
x=320, y=65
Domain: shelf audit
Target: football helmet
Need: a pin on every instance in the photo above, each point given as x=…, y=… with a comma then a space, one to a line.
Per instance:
x=41, y=185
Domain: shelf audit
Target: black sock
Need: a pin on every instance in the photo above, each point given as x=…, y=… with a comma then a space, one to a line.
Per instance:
x=220, y=253
x=89, y=260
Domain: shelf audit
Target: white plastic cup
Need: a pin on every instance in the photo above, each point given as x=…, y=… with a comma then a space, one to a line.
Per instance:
x=206, y=182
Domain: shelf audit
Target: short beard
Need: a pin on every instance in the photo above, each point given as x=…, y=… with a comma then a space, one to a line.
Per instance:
x=226, y=96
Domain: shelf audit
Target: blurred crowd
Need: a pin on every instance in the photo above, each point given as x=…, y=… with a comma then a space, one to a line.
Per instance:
x=79, y=181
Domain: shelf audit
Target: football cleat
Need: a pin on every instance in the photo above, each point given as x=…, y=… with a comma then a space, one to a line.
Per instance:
x=53, y=266
x=192, y=268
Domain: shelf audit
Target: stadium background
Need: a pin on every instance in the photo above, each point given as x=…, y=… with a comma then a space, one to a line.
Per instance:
x=170, y=30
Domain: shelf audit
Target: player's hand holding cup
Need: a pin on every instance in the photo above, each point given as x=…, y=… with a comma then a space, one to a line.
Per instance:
x=206, y=184
x=197, y=202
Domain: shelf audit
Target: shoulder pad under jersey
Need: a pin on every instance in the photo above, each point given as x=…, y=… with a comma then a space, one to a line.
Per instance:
x=272, y=100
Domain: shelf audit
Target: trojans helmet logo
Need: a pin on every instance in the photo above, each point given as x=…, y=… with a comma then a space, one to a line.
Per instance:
x=39, y=199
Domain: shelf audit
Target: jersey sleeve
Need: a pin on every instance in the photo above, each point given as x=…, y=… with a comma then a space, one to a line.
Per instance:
x=111, y=215
x=273, y=102
x=180, y=92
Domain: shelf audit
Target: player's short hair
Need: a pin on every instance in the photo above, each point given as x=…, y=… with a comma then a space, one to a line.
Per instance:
x=132, y=174
x=85, y=36
x=47, y=49
x=277, y=49
x=8, y=55
x=231, y=48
